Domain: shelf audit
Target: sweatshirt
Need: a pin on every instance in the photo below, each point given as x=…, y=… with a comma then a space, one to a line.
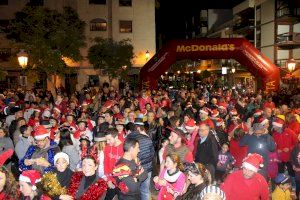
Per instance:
x=111, y=156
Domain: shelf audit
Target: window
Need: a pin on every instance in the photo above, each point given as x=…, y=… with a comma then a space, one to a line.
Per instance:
x=36, y=2
x=125, y=2
x=98, y=24
x=3, y=2
x=101, y=2
x=125, y=26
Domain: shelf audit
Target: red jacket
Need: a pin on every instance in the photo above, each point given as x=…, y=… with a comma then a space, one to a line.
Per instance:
x=144, y=101
x=295, y=126
x=236, y=187
x=286, y=139
x=111, y=156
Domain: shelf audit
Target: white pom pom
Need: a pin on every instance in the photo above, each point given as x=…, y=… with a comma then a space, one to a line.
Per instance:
x=33, y=187
x=261, y=165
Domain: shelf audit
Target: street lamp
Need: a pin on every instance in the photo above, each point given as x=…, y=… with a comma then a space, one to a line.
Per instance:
x=233, y=70
x=22, y=58
x=147, y=55
x=291, y=65
x=224, y=70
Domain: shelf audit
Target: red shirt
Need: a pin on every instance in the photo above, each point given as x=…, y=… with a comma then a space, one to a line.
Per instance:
x=237, y=187
x=111, y=156
x=286, y=139
x=295, y=126
x=238, y=152
x=209, y=122
x=269, y=105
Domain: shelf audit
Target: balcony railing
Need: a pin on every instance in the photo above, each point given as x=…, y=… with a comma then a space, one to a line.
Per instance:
x=288, y=41
x=286, y=11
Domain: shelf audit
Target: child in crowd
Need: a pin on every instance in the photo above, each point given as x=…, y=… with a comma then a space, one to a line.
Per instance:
x=225, y=162
x=164, y=143
x=282, y=190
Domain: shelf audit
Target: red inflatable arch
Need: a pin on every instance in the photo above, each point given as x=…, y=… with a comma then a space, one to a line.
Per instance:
x=221, y=48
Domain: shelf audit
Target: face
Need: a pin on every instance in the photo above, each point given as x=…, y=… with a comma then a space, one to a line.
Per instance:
x=2, y=133
x=185, y=119
x=61, y=164
x=148, y=107
x=41, y=143
x=81, y=126
x=88, y=167
x=120, y=127
x=25, y=188
x=53, y=122
x=101, y=120
x=110, y=140
x=21, y=123
x=170, y=164
x=151, y=117
x=193, y=177
x=108, y=118
x=2, y=180
x=225, y=148
x=135, y=151
x=212, y=196
x=248, y=173
x=268, y=112
x=173, y=138
x=28, y=131
x=286, y=186
x=203, y=131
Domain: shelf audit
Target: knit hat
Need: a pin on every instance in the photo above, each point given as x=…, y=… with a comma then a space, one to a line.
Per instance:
x=31, y=176
x=61, y=155
x=40, y=132
x=214, y=113
x=253, y=162
x=5, y=155
x=212, y=189
x=190, y=124
x=278, y=122
x=100, y=134
x=204, y=111
x=281, y=178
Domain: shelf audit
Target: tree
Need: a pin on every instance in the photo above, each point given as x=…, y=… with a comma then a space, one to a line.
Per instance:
x=113, y=57
x=48, y=36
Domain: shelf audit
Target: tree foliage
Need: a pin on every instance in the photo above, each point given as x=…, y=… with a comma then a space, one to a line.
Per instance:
x=111, y=56
x=48, y=36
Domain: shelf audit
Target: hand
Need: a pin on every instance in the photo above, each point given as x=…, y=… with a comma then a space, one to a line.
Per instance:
x=170, y=190
x=65, y=197
x=42, y=162
x=28, y=162
x=141, y=170
x=111, y=185
x=155, y=179
x=162, y=182
x=286, y=150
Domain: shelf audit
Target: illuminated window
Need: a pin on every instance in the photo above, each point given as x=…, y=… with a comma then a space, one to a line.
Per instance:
x=98, y=24
x=125, y=26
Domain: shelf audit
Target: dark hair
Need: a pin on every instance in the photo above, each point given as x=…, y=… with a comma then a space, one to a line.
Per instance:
x=129, y=142
x=238, y=134
x=109, y=112
x=112, y=131
x=199, y=169
x=90, y=157
x=65, y=138
x=11, y=186
x=130, y=127
x=23, y=128
x=20, y=119
x=173, y=121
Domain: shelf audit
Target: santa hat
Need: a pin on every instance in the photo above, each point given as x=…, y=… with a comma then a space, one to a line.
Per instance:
x=84, y=103
x=262, y=120
x=222, y=105
x=5, y=155
x=214, y=113
x=190, y=124
x=57, y=109
x=204, y=111
x=40, y=132
x=108, y=104
x=37, y=110
x=61, y=155
x=31, y=176
x=257, y=113
x=220, y=122
x=278, y=122
x=253, y=162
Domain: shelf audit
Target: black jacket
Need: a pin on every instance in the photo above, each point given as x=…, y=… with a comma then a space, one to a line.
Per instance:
x=207, y=152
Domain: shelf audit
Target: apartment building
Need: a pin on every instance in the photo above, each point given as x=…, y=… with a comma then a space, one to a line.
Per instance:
x=116, y=19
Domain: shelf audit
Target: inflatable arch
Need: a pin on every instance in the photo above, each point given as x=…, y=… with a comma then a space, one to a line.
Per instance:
x=220, y=48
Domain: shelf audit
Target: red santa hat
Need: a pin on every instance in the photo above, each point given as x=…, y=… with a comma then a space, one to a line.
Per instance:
x=278, y=122
x=57, y=109
x=253, y=162
x=108, y=104
x=31, y=176
x=204, y=111
x=40, y=132
x=222, y=105
x=84, y=103
x=257, y=113
x=214, y=113
x=37, y=110
x=190, y=124
x=5, y=155
x=220, y=122
x=262, y=120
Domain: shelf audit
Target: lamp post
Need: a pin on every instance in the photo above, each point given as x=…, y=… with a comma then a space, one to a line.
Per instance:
x=291, y=65
x=22, y=58
x=233, y=70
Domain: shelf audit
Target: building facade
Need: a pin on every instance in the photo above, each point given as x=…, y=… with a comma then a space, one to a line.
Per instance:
x=115, y=19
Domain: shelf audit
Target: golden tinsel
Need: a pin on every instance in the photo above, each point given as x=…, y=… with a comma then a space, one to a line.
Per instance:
x=51, y=186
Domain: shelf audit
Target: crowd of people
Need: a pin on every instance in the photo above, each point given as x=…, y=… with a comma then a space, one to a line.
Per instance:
x=99, y=143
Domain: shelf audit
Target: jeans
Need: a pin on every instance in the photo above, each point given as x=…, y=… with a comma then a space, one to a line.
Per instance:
x=145, y=188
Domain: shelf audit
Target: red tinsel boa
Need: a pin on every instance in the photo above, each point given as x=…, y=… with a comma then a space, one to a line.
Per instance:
x=94, y=191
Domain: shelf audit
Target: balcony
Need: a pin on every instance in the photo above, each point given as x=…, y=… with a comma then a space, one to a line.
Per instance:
x=5, y=53
x=288, y=41
x=288, y=15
